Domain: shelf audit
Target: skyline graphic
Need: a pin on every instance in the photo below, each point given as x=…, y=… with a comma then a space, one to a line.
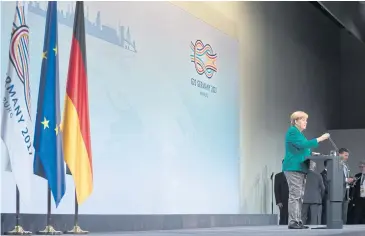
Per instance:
x=203, y=58
x=120, y=36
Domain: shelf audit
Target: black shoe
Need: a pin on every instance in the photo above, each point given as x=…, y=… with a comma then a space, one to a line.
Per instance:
x=303, y=226
x=294, y=226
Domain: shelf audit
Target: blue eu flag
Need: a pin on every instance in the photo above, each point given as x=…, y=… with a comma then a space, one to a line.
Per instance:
x=48, y=159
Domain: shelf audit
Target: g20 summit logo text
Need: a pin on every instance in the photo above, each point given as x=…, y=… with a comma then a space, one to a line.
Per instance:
x=204, y=59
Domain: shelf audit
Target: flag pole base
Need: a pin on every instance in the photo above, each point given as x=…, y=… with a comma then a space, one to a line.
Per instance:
x=76, y=230
x=49, y=230
x=18, y=230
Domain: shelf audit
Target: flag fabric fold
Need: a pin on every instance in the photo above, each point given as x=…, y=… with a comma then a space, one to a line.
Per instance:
x=16, y=121
x=48, y=159
x=75, y=123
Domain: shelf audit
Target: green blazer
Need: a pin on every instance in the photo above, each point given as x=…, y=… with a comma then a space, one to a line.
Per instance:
x=297, y=148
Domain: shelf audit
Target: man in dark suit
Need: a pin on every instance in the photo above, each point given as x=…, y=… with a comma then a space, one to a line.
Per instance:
x=281, y=190
x=325, y=196
x=358, y=194
x=313, y=196
x=344, y=155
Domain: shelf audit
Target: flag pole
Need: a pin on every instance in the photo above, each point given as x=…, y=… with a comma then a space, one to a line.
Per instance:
x=18, y=229
x=76, y=229
x=49, y=230
x=78, y=116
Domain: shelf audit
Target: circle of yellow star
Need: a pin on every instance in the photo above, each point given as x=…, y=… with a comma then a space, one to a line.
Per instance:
x=44, y=55
x=45, y=123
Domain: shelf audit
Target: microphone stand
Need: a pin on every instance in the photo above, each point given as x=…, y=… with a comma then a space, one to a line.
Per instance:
x=272, y=193
x=333, y=143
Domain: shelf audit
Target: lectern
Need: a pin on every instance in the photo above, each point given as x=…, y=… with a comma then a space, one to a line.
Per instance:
x=336, y=180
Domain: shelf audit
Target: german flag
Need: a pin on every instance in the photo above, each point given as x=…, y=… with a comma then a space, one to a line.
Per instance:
x=76, y=124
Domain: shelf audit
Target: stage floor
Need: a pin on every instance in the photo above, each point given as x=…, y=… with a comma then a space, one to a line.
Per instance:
x=348, y=230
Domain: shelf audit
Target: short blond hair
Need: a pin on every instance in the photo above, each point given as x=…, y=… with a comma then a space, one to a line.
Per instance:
x=297, y=116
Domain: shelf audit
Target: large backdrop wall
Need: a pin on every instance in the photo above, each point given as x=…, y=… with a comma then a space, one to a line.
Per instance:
x=164, y=109
x=291, y=57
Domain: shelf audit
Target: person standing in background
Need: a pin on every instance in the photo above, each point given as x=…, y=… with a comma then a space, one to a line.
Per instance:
x=344, y=155
x=313, y=195
x=325, y=196
x=359, y=195
x=297, y=148
x=281, y=190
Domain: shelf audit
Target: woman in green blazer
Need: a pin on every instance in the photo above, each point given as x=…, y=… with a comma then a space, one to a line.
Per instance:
x=297, y=148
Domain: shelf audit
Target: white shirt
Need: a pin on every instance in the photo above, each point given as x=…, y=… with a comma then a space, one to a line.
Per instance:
x=345, y=171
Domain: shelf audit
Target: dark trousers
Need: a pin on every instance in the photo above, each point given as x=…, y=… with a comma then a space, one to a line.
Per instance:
x=324, y=212
x=345, y=206
x=284, y=215
x=313, y=212
x=359, y=211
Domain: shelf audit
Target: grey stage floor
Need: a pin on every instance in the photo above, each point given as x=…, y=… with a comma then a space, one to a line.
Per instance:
x=348, y=230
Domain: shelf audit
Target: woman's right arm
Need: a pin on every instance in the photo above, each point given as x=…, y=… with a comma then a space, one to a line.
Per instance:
x=300, y=141
x=323, y=137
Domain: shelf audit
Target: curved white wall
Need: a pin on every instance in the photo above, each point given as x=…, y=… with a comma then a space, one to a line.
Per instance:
x=289, y=57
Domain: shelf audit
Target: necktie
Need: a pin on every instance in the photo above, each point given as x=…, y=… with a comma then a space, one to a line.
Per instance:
x=362, y=178
x=345, y=171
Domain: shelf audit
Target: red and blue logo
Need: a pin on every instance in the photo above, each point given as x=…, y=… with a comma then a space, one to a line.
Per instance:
x=203, y=58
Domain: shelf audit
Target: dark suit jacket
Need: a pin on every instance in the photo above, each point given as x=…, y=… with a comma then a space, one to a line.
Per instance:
x=355, y=191
x=281, y=189
x=325, y=182
x=314, y=188
x=345, y=190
